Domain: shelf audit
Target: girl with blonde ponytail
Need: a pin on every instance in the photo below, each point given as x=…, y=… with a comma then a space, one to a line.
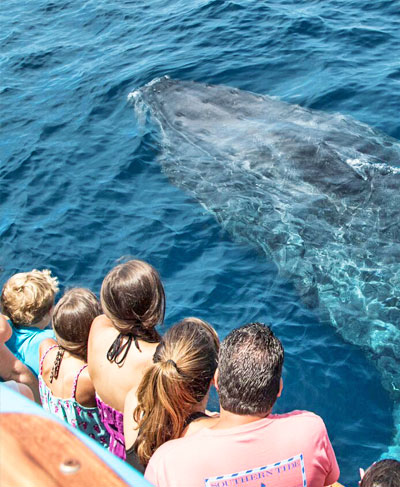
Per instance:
x=171, y=399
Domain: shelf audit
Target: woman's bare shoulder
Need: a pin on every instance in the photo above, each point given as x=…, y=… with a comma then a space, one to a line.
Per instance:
x=101, y=324
x=101, y=321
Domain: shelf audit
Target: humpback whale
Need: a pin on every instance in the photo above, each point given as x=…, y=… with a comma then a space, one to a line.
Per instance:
x=317, y=192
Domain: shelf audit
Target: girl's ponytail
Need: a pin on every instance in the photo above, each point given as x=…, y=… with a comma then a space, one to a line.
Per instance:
x=184, y=365
x=163, y=407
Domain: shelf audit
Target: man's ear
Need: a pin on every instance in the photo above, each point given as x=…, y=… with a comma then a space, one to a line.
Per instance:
x=280, y=388
x=215, y=380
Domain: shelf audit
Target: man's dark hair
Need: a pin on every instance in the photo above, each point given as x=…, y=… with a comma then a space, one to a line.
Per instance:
x=385, y=473
x=250, y=369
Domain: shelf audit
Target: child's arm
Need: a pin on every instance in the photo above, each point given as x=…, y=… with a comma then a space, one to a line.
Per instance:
x=130, y=425
x=12, y=369
x=5, y=330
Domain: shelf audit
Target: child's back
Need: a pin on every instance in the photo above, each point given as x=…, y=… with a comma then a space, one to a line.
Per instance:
x=73, y=377
x=65, y=386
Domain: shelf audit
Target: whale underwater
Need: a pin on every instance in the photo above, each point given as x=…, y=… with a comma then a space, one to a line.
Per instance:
x=319, y=193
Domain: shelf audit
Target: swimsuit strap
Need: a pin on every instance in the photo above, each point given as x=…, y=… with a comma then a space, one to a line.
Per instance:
x=136, y=343
x=44, y=356
x=76, y=380
x=117, y=348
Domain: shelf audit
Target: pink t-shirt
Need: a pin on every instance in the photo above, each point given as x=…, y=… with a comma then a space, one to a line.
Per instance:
x=282, y=450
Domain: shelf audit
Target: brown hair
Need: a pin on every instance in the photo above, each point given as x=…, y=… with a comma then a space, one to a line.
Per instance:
x=72, y=319
x=184, y=365
x=133, y=298
x=385, y=473
x=28, y=296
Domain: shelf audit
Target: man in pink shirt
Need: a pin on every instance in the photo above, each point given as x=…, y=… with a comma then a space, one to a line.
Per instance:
x=248, y=446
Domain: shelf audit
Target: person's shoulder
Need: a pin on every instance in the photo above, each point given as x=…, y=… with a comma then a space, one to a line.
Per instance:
x=172, y=448
x=297, y=415
x=46, y=333
x=174, y=455
x=99, y=330
x=165, y=457
x=37, y=334
x=308, y=419
x=37, y=337
x=100, y=322
x=45, y=345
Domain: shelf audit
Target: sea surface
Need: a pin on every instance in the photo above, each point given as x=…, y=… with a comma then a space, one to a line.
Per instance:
x=81, y=185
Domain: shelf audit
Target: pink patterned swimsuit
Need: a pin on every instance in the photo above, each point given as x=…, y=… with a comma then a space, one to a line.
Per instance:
x=81, y=417
x=113, y=420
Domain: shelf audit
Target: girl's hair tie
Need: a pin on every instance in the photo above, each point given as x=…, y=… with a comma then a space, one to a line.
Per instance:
x=172, y=362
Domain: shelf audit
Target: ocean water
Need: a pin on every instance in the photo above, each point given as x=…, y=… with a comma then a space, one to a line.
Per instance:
x=82, y=184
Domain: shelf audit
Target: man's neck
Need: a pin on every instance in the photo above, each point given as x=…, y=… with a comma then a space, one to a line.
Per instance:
x=231, y=420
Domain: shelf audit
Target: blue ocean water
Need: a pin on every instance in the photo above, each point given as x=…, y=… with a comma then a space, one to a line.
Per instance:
x=81, y=185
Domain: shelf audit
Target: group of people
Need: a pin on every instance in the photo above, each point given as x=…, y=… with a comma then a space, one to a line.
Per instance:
x=104, y=368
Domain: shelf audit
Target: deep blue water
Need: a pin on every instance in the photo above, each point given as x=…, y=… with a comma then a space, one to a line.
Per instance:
x=81, y=186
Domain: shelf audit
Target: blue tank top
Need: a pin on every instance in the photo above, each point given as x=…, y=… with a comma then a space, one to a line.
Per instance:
x=25, y=342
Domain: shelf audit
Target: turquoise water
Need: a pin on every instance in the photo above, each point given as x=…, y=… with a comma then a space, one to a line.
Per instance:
x=81, y=183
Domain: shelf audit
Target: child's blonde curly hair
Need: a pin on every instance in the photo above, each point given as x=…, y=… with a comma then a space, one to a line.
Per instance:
x=28, y=296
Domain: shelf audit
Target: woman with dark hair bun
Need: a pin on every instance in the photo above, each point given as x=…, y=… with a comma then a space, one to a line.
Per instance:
x=171, y=399
x=123, y=340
